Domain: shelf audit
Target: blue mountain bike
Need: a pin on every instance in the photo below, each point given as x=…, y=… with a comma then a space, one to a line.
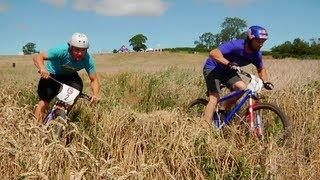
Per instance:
x=264, y=120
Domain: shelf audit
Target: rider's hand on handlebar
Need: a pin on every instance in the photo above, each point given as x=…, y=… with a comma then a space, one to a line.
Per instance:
x=233, y=66
x=268, y=85
x=94, y=99
x=44, y=73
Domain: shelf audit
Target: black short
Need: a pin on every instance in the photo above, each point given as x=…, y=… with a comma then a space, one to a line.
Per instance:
x=214, y=79
x=48, y=88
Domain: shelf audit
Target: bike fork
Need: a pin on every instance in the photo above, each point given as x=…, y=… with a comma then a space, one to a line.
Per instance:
x=51, y=115
x=216, y=118
x=255, y=120
x=251, y=115
x=259, y=125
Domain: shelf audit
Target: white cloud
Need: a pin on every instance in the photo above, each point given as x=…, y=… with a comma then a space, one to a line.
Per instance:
x=3, y=7
x=233, y=2
x=116, y=7
x=57, y=3
x=122, y=7
x=84, y=5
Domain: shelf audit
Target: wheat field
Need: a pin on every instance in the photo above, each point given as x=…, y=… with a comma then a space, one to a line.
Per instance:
x=139, y=129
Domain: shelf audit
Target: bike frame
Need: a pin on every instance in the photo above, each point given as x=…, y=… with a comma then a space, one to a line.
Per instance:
x=247, y=95
x=53, y=112
x=59, y=105
x=62, y=106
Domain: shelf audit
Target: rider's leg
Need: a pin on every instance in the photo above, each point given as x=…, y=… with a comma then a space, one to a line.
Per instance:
x=234, y=82
x=239, y=85
x=40, y=110
x=212, y=79
x=208, y=112
x=47, y=90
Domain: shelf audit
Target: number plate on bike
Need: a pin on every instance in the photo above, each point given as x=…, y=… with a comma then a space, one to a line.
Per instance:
x=255, y=84
x=68, y=94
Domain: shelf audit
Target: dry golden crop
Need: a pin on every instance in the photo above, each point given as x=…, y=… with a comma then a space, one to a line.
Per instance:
x=138, y=130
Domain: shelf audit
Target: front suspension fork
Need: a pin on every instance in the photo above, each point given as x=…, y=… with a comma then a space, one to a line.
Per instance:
x=255, y=120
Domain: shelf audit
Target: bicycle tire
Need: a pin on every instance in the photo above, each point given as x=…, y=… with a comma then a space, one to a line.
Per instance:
x=196, y=107
x=57, y=123
x=51, y=115
x=276, y=125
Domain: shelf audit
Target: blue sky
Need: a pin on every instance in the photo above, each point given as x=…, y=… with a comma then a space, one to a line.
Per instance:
x=176, y=23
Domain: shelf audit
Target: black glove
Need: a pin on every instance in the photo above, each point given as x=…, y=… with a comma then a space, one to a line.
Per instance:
x=233, y=66
x=268, y=85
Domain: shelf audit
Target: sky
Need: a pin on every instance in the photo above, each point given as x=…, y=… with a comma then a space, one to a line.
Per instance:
x=109, y=24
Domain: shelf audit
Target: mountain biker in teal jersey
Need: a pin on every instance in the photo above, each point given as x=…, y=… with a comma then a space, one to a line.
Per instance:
x=63, y=62
x=223, y=63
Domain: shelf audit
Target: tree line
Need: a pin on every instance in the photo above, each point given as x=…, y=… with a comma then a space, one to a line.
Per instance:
x=231, y=28
x=235, y=28
x=297, y=49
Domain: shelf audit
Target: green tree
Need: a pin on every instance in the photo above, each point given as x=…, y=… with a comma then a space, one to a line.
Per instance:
x=300, y=47
x=201, y=48
x=138, y=42
x=315, y=41
x=283, y=50
x=315, y=48
x=207, y=40
x=297, y=49
x=233, y=28
x=29, y=48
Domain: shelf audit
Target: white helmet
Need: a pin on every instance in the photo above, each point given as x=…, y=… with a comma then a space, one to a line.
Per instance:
x=79, y=40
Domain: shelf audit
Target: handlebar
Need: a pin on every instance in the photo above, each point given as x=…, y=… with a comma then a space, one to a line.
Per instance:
x=81, y=95
x=244, y=73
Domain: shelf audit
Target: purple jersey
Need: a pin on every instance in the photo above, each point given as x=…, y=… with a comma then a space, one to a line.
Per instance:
x=234, y=52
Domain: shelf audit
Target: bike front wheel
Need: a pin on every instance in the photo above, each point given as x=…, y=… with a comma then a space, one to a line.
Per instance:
x=56, y=122
x=270, y=123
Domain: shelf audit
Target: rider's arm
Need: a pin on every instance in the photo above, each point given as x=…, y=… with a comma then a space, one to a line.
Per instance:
x=217, y=55
x=39, y=60
x=39, y=63
x=262, y=72
x=95, y=86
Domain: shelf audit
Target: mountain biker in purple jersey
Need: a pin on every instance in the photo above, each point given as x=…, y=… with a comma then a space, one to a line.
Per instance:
x=223, y=63
x=63, y=62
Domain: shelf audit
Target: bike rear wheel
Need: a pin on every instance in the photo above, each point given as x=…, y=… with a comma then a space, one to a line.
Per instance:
x=196, y=108
x=274, y=123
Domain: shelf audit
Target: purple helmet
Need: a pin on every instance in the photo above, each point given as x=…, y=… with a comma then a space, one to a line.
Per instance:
x=257, y=32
